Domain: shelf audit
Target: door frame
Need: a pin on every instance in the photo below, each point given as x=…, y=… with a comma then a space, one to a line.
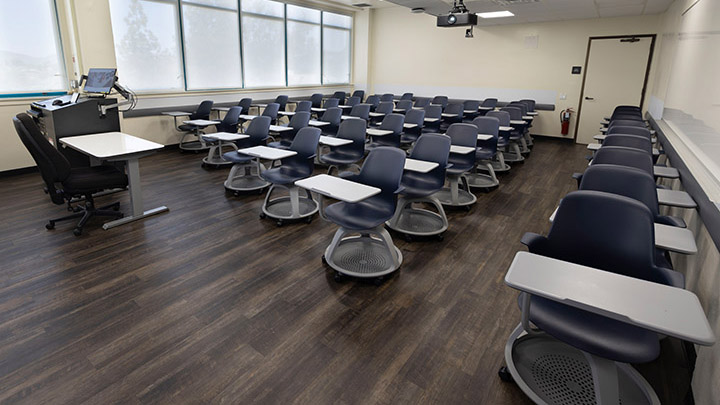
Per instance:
x=652, y=37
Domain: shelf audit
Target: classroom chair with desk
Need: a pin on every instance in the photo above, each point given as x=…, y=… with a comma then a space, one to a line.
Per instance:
x=343, y=157
x=486, y=153
x=244, y=175
x=463, y=137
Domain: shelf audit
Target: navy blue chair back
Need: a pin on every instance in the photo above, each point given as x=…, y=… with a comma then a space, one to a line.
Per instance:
x=530, y=103
x=331, y=102
x=471, y=105
x=406, y=96
x=359, y=94
x=404, y=105
x=387, y=97
x=355, y=131
x=230, y=121
x=515, y=112
x=621, y=180
x=361, y=111
x=629, y=141
x=316, y=100
x=422, y=101
x=352, y=101
x=340, y=96
x=488, y=126
x=258, y=130
x=490, y=102
x=629, y=130
x=463, y=135
x=604, y=231
x=299, y=120
x=521, y=106
x=455, y=109
x=305, y=144
x=203, y=111
x=442, y=100
x=621, y=156
x=245, y=103
x=627, y=123
x=392, y=122
x=373, y=100
x=385, y=107
x=332, y=115
x=433, y=111
x=281, y=100
x=504, y=120
x=415, y=116
x=383, y=168
x=431, y=148
x=303, y=106
x=271, y=111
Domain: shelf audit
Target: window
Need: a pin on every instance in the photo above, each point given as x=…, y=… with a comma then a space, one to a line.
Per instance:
x=336, y=48
x=263, y=36
x=147, y=44
x=303, y=42
x=30, y=52
x=212, y=44
x=180, y=45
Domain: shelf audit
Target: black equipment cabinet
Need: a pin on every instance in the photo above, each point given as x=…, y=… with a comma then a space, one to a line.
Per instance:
x=83, y=117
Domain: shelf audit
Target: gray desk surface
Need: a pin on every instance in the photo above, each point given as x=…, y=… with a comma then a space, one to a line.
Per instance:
x=338, y=188
x=666, y=310
x=280, y=128
x=666, y=172
x=378, y=132
x=419, y=166
x=518, y=122
x=409, y=125
x=247, y=117
x=484, y=137
x=674, y=238
x=504, y=128
x=226, y=136
x=333, y=141
x=432, y=119
x=675, y=198
x=201, y=123
x=462, y=150
x=316, y=123
x=318, y=109
x=176, y=113
x=532, y=113
x=266, y=152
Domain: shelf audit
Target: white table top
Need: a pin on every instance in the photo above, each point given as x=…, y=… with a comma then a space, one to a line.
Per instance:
x=528, y=117
x=378, y=132
x=338, y=188
x=599, y=137
x=226, y=136
x=469, y=111
x=318, y=109
x=532, y=113
x=316, y=123
x=409, y=125
x=419, y=166
x=667, y=172
x=666, y=310
x=481, y=108
x=484, y=137
x=432, y=119
x=109, y=144
x=377, y=114
x=221, y=108
x=286, y=113
x=675, y=198
x=463, y=150
x=247, y=117
x=176, y=113
x=399, y=110
x=333, y=141
x=344, y=107
x=518, y=122
x=594, y=146
x=266, y=152
x=448, y=115
x=280, y=128
x=504, y=128
x=349, y=117
x=201, y=123
x=674, y=238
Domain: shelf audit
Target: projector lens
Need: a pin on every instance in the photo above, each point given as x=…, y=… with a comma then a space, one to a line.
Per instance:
x=452, y=19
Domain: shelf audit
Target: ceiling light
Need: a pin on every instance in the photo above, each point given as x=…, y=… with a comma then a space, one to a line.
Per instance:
x=495, y=14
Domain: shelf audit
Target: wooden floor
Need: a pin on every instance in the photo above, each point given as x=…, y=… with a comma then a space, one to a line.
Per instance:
x=207, y=303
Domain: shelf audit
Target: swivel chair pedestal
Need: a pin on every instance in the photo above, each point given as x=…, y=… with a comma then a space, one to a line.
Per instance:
x=419, y=221
x=549, y=371
x=498, y=163
x=476, y=179
x=485, y=153
x=454, y=196
x=462, y=163
x=245, y=176
x=369, y=253
x=290, y=207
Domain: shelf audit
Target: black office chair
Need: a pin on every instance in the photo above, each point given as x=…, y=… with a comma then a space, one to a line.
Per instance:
x=281, y=101
x=303, y=106
x=316, y=100
x=244, y=175
x=245, y=103
x=271, y=110
x=76, y=182
x=434, y=112
x=406, y=96
x=453, y=114
x=441, y=100
x=374, y=101
x=201, y=113
x=340, y=96
x=297, y=122
x=359, y=94
x=333, y=115
x=391, y=122
x=471, y=109
x=360, y=111
x=385, y=108
x=230, y=121
x=486, y=153
x=352, y=101
x=387, y=97
x=503, y=140
x=462, y=163
x=410, y=135
x=346, y=156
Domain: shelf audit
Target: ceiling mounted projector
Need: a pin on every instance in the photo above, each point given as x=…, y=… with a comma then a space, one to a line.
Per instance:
x=459, y=16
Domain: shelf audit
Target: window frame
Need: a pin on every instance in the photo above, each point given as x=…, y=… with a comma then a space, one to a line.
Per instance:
x=61, y=58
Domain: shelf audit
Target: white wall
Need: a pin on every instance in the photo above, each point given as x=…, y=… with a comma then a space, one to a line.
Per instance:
x=409, y=53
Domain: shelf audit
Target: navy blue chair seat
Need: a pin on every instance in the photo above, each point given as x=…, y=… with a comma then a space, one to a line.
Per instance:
x=236, y=157
x=365, y=214
x=418, y=185
x=284, y=174
x=484, y=154
x=340, y=157
x=593, y=333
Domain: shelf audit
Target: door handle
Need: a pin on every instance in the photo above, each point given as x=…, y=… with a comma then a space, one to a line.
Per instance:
x=589, y=98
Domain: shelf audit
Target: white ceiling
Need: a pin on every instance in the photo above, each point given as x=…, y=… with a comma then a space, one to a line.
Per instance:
x=534, y=10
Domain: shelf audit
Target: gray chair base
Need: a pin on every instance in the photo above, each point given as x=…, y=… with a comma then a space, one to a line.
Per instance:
x=551, y=372
x=454, y=196
x=367, y=254
x=499, y=164
x=290, y=207
x=196, y=145
x=515, y=155
x=418, y=221
x=481, y=180
x=246, y=177
x=215, y=155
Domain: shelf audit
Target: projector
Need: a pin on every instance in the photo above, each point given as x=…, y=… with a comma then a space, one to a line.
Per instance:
x=456, y=20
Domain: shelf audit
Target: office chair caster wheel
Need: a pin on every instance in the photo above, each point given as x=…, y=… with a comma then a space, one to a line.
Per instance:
x=324, y=260
x=338, y=277
x=441, y=237
x=261, y=191
x=308, y=220
x=466, y=208
x=378, y=281
x=262, y=215
x=50, y=225
x=408, y=238
x=505, y=375
x=279, y=223
x=77, y=231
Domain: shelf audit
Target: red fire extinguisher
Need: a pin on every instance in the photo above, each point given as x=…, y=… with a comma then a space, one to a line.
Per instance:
x=565, y=120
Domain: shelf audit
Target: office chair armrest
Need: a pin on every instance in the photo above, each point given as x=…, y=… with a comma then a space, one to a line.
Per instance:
x=672, y=221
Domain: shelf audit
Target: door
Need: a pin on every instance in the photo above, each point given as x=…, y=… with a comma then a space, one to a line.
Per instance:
x=615, y=74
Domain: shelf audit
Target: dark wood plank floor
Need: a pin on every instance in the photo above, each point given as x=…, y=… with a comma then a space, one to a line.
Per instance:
x=209, y=304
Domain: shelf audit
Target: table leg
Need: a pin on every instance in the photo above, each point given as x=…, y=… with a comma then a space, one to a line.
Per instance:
x=136, y=200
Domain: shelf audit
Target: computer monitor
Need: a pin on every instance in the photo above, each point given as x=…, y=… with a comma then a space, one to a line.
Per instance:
x=100, y=81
